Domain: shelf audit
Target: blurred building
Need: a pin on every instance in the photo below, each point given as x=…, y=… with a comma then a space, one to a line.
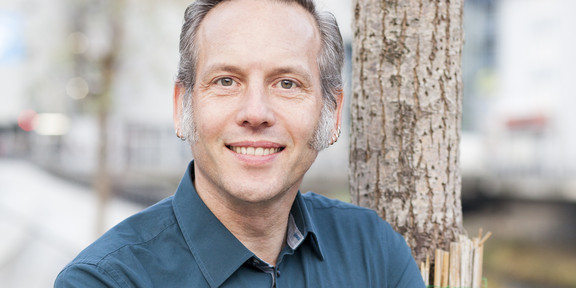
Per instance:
x=479, y=74
x=529, y=125
x=478, y=60
x=518, y=101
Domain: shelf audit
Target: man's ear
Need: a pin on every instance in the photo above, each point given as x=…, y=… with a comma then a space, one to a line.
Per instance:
x=179, y=92
x=339, y=106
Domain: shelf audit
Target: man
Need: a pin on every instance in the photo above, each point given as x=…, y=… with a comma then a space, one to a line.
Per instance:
x=258, y=95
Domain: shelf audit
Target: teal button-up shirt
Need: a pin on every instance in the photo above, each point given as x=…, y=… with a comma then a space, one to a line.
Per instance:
x=178, y=242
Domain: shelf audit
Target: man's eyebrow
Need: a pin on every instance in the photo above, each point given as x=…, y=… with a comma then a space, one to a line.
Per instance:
x=221, y=68
x=293, y=70
x=290, y=69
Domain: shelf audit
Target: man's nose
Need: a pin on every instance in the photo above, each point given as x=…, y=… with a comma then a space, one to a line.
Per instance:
x=255, y=109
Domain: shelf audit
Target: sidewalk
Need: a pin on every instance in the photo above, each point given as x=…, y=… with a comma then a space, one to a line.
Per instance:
x=44, y=222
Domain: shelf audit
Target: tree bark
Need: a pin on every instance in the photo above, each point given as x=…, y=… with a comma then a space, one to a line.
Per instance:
x=406, y=111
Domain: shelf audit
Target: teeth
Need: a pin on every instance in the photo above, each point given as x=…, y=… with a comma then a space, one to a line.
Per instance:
x=259, y=151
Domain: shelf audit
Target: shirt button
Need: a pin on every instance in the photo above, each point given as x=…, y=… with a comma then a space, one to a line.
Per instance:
x=277, y=273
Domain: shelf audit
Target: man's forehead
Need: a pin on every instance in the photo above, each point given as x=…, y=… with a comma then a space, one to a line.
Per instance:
x=263, y=12
x=241, y=28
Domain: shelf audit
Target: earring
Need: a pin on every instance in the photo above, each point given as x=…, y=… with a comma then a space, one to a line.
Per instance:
x=180, y=135
x=335, y=136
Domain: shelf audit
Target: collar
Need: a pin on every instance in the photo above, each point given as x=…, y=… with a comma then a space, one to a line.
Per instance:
x=216, y=250
x=304, y=222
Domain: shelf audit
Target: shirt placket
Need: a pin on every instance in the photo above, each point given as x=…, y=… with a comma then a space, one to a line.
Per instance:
x=271, y=270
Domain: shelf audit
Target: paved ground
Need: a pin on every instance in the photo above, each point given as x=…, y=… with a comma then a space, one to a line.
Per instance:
x=44, y=222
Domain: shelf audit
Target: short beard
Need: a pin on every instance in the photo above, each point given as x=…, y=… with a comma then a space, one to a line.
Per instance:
x=323, y=132
x=319, y=141
x=189, y=131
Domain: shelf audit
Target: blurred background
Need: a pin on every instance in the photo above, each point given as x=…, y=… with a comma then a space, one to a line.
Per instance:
x=86, y=134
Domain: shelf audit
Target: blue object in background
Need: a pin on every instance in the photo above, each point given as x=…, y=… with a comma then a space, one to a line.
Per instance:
x=11, y=37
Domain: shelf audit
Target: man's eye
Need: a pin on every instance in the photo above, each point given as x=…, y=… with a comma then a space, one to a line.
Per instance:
x=287, y=84
x=225, y=82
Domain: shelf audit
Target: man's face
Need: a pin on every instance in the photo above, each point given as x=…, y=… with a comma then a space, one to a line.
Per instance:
x=256, y=101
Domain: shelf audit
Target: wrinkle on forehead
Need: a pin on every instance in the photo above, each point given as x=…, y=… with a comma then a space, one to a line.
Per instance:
x=244, y=16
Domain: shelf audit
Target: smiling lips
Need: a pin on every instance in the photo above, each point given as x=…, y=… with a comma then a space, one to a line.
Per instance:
x=254, y=151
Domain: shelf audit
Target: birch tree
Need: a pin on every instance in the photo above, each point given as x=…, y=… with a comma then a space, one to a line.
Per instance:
x=406, y=110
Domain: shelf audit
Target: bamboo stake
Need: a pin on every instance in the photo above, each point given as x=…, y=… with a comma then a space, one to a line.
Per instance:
x=465, y=267
x=477, y=266
x=455, y=257
x=438, y=268
x=445, y=268
x=485, y=238
x=427, y=279
x=423, y=271
x=459, y=267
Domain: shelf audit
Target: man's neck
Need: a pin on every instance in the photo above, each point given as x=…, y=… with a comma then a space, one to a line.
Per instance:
x=260, y=227
x=264, y=234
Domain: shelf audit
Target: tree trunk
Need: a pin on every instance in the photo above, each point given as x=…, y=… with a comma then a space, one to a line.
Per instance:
x=107, y=65
x=406, y=111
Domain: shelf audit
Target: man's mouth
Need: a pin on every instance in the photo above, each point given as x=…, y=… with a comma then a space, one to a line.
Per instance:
x=254, y=151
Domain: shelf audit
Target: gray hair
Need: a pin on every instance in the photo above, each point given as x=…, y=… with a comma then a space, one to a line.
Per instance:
x=330, y=62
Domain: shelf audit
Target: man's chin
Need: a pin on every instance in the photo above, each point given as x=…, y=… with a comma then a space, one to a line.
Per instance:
x=259, y=194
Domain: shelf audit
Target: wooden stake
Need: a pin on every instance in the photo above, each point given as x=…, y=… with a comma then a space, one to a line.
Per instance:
x=427, y=279
x=438, y=268
x=455, y=258
x=477, y=267
x=445, y=268
x=485, y=238
x=423, y=271
x=459, y=267
x=466, y=264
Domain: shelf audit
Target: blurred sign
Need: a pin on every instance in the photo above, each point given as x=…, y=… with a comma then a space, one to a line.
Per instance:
x=11, y=37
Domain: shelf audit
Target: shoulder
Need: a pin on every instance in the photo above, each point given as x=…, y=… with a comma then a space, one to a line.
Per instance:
x=97, y=262
x=317, y=201
x=321, y=207
x=86, y=274
x=357, y=235
x=336, y=220
x=137, y=229
x=332, y=217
